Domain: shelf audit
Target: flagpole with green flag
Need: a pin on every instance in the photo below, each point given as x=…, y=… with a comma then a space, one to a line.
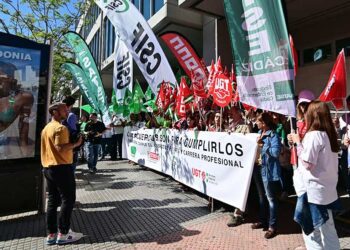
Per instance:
x=81, y=80
x=137, y=98
x=87, y=62
x=126, y=103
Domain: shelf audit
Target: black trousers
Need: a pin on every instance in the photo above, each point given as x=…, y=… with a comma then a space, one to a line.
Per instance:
x=116, y=146
x=61, y=188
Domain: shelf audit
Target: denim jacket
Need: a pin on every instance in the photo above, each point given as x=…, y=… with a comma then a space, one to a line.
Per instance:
x=270, y=166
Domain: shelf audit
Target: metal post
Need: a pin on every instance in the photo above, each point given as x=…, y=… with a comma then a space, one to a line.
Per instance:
x=216, y=39
x=48, y=100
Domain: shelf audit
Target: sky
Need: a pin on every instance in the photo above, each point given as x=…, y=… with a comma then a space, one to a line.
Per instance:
x=24, y=8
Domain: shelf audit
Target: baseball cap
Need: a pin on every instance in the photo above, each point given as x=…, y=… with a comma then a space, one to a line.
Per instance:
x=55, y=106
x=305, y=96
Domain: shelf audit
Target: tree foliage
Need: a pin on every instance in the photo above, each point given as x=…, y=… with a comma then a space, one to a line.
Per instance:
x=42, y=21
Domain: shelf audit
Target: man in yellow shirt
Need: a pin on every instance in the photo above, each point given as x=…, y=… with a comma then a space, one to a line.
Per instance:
x=57, y=158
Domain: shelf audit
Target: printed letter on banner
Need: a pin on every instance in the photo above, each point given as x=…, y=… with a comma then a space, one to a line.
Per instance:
x=139, y=38
x=263, y=59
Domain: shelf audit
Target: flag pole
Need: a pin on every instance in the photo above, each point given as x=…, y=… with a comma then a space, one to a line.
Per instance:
x=220, y=119
x=199, y=111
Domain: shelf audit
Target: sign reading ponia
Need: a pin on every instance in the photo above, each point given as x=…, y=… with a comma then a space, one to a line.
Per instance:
x=217, y=164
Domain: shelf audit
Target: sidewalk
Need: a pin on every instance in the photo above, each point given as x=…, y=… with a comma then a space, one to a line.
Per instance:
x=125, y=206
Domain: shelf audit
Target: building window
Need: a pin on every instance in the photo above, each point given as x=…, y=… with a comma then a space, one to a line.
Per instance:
x=343, y=44
x=146, y=9
x=90, y=19
x=109, y=38
x=105, y=39
x=317, y=54
x=136, y=3
x=94, y=47
x=157, y=5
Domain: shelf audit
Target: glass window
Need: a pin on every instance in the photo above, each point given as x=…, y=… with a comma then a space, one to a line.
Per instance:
x=146, y=9
x=110, y=38
x=97, y=48
x=136, y=3
x=343, y=44
x=157, y=5
x=105, y=35
x=318, y=53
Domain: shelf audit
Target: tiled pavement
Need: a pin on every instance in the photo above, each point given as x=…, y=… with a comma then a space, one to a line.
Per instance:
x=125, y=206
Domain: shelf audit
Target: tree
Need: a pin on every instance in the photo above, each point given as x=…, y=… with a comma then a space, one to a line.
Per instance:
x=44, y=20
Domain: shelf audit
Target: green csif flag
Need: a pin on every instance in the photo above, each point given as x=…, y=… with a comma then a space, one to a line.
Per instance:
x=137, y=98
x=148, y=94
x=115, y=107
x=88, y=65
x=127, y=103
x=81, y=80
x=263, y=58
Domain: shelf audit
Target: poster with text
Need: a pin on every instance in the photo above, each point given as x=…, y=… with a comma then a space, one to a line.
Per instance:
x=19, y=86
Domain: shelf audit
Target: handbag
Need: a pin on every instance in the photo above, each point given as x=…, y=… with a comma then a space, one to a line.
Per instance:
x=284, y=157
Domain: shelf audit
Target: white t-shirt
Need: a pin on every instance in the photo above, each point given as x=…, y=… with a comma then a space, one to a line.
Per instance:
x=321, y=181
x=343, y=119
x=107, y=134
x=118, y=122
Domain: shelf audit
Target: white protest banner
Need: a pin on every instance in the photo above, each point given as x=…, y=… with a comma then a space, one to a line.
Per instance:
x=219, y=165
x=123, y=70
x=139, y=38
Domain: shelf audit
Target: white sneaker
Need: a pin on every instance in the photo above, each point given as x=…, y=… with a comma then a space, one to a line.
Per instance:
x=51, y=239
x=68, y=238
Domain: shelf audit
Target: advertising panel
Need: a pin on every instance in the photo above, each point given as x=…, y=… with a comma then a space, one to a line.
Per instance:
x=19, y=86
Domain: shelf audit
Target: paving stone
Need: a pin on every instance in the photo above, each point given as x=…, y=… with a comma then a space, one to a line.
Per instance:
x=123, y=206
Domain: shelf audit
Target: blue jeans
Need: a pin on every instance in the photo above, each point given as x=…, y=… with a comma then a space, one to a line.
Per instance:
x=324, y=237
x=311, y=216
x=261, y=193
x=271, y=188
x=92, y=154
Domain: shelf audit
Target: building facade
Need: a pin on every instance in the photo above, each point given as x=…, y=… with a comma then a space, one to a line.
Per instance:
x=319, y=29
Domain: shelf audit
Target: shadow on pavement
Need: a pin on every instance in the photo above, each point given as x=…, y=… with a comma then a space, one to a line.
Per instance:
x=134, y=221
x=129, y=221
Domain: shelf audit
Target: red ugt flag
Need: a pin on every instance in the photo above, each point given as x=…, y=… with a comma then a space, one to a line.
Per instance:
x=161, y=97
x=182, y=94
x=335, y=90
x=198, y=87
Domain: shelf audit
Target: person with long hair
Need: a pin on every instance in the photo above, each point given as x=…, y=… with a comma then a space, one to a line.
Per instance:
x=316, y=177
x=304, y=98
x=217, y=126
x=270, y=146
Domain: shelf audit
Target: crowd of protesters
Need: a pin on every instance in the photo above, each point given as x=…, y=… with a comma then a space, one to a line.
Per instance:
x=320, y=142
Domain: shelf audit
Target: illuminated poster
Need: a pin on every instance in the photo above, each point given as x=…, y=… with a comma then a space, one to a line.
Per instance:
x=19, y=85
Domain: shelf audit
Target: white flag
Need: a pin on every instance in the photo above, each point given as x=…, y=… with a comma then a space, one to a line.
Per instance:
x=139, y=38
x=123, y=70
